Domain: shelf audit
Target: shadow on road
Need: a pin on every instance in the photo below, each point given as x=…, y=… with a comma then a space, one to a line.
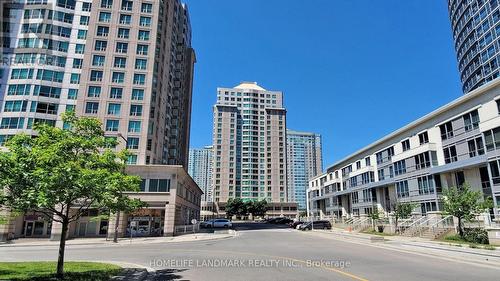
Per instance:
x=242, y=226
x=134, y=274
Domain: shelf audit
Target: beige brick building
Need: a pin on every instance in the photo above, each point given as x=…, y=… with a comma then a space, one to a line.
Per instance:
x=249, y=140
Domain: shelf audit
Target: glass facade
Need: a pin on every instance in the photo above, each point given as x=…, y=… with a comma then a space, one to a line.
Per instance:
x=476, y=30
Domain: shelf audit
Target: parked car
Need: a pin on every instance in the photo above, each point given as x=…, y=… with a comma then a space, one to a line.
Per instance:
x=294, y=224
x=217, y=223
x=316, y=225
x=207, y=223
x=280, y=220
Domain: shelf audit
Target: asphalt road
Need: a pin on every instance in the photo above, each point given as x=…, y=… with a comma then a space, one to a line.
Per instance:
x=264, y=252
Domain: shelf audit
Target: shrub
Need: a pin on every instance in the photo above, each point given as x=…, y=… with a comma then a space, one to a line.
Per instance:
x=476, y=235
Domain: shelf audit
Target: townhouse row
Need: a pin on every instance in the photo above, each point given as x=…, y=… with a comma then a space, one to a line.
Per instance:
x=457, y=143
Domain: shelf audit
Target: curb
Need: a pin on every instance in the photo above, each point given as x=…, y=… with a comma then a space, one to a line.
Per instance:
x=110, y=243
x=405, y=243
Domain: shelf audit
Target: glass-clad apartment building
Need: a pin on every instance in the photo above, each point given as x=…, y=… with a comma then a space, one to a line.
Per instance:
x=476, y=32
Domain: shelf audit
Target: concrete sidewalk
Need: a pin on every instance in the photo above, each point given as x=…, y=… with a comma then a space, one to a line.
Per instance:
x=30, y=242
x=416, y=245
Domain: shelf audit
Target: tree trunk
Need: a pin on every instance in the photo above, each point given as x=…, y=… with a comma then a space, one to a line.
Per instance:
x=62, y=246
x=460, y=229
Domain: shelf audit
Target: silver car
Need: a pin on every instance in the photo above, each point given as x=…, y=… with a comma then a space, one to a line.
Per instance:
x=217, y=223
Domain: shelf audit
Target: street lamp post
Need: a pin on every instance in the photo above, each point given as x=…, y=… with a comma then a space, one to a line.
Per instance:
x=117, y=221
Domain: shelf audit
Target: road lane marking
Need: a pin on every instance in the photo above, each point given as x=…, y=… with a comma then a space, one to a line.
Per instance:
x=338, y=271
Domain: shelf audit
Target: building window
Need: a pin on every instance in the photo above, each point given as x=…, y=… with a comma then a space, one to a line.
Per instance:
x=140, y=64
x=147, y=8
x=400, y=167
x=423, y=138
x=143, y=35
x=12, y=123
x=135, y=110
x=422, y=160
x=72, y=94
x=100, y=45
x=476, y=147
x=118, y=77
x=125, y=19
x=127, y=5
x=120, y=62
x=107, y=4
x=132, y=143
x=96, y=75
x=425, y=185
x=121, y=47
x=367, y=162
x=91, y=107
x=115, y=93
x=446, y=130
x=94, y=92
x=104, y=16
x=114, y=108
x=139, y=79
x=134, y=126
x=142, y=50
x=471, y=120
x=402, y=189
x=112, y=125
x=137, y=94
x=102, y=31
x=98, y=60
x=406, y=145
x=450, y=154
x=492, y=139
x=132, y=159
x=145, y=21
x=123, y=33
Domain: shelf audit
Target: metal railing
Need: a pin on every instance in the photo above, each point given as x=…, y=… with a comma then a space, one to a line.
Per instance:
x=183, y=229
x=441, y=226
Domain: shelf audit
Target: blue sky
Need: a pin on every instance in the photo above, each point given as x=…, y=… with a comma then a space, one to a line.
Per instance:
x=351, y=70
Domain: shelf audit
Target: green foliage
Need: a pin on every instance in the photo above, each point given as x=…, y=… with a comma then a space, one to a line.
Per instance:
x=62, y=173
x=476, y=235
x=238, y=207
x=75, y=271
x=65, y=168
x=375, y=214
x=257, y=208
x=464, y=203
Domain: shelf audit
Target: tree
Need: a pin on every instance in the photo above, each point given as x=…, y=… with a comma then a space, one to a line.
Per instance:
x=402, y=210
x=374, y=216
x=464, y=203
x=257, y=208
x=235, y=207
x=62, y=173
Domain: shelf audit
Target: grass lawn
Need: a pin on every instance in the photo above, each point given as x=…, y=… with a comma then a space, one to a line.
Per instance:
x=74, y=271
x=455, y=240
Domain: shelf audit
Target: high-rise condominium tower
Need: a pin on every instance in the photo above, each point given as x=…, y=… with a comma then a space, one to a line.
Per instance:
x=137, y=77
x=128, y=63
x=476, y=33
x=42, y=48
x=249, y=140
x=200, y=169
x=304, y=161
